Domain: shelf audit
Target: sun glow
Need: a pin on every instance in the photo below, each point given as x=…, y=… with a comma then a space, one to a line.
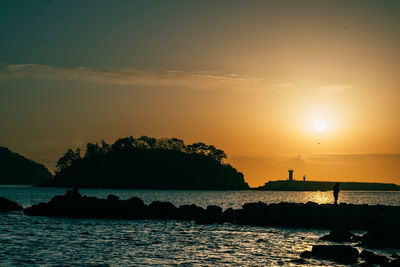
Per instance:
x=320, y=126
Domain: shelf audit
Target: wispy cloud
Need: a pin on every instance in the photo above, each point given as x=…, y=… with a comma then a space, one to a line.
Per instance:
x=313, y=86
x=333, y=88
x=131, y=76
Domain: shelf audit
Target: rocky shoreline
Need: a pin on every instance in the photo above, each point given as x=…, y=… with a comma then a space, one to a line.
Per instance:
x=380, y=222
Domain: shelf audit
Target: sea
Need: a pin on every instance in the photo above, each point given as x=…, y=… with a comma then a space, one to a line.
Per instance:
x=45, y=241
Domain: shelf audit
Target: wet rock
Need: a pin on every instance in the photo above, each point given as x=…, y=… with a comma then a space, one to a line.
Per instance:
x=162, y=210
x=298, y=261
x=112, y=197
x=382, y=237
x=190, y=212
x=338, y=235
x=373, y=258
x=212, y=215
x=312, y=204
x=8, y=205
x=306, y=254
x=338, y=253
x=135, y=203
x=394, y=263
x=254, y=213
x=231, y=215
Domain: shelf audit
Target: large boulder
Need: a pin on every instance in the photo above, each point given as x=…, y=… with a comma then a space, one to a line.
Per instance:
x=394, y=263
x=338, y=235
x=382, y=237
x=213, y=214
x=8, y=205
x=338, y=253
x=373, y=258
x=162, y=210
x=190, y=212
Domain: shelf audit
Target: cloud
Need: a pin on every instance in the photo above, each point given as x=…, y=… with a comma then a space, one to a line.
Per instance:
x=310, y=85
x=131, y=76
x=333, y=88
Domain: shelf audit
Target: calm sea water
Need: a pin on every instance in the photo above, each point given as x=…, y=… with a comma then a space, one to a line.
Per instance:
x=41, y=241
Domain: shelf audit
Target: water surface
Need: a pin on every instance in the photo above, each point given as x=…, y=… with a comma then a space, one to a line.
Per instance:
x=42, y=241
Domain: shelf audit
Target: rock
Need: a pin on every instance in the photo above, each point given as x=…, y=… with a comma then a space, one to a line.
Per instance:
x=338, y=235
x=231, y=215
x=394, y=263
x=112, y=197
x=213, y=211
x=298, y=261
x=190, y=212
x=382, y=237
x=306, y=254
x=8, y=205
x=338, y=253
x=135, y=203
x=311, y=204
x=212, y=215
x=373, y=258
x=162, y=210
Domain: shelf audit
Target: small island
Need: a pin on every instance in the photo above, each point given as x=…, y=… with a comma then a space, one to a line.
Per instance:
x=147, y=163
x=18, y=170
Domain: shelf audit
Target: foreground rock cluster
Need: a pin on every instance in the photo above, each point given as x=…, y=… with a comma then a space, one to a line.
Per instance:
x=380, y=222
x=309, y=215
x=7, y=205
x=349, y=255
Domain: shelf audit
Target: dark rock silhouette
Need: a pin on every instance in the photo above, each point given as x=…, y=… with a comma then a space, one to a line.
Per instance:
x=8, y=205
x=338, y=235
x=381, y=221
x=385, y=235
x=16, y=169
x=212, y=214
x=147, y=163
x=338, y=253
x=373, y=258
x=394, y=263
x=190, y=212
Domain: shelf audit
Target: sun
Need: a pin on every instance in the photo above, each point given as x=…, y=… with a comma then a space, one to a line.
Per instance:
x=320, y=126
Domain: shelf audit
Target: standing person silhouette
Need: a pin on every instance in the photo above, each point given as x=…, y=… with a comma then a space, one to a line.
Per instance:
x=336, y=192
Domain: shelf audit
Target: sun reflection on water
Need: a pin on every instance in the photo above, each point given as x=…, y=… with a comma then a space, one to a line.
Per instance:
x=320, y=197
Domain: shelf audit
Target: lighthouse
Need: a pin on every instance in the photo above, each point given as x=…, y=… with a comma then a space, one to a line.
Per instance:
x=290, y=175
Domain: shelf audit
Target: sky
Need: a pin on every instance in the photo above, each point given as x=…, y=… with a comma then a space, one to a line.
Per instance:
x=309, y=85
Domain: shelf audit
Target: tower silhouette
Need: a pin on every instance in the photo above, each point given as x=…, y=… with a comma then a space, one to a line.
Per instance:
x=290, y=175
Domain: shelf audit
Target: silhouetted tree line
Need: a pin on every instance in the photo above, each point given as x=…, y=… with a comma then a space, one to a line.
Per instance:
x=16, y=169
x=147, y=163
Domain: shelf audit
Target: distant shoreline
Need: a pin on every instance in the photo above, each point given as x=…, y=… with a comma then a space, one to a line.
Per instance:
x=276, y=188
x=287, y=185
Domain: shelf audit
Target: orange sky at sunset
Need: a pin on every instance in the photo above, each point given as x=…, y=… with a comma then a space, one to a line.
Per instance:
x=308, y=85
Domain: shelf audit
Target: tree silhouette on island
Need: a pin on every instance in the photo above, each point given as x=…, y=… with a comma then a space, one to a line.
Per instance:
x=147, y=163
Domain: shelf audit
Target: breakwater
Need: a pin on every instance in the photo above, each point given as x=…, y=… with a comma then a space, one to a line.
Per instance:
x=380, y=221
